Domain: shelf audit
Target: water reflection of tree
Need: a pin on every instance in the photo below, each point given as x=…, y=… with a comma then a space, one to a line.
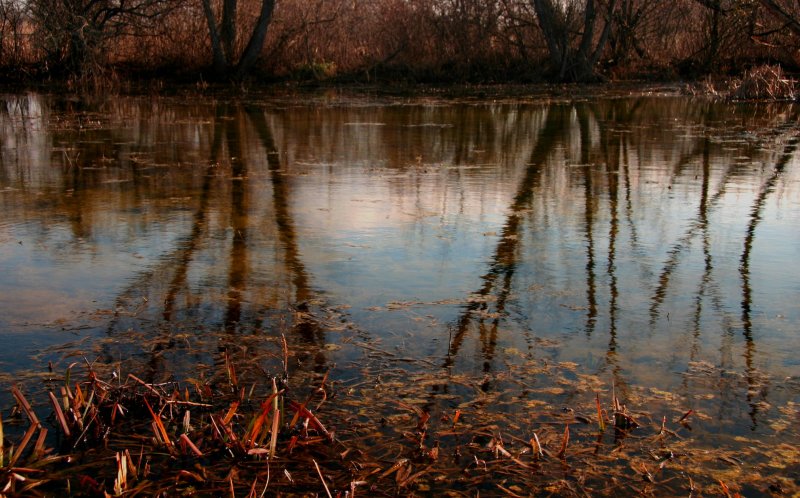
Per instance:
x=238, y=268
x=498, y=279
x=757, y=386
x=614, y=149
x=614, y=146
x=489, y=303
x=225, y=192
x=286, y=229
x=231, y=164
x=590, y=207
x=700, y=224
x=605, y=179
x=600, y=173
x=186, y=249
x=706, y=288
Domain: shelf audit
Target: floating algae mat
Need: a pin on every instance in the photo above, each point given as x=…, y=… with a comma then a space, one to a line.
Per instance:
x=335, y=296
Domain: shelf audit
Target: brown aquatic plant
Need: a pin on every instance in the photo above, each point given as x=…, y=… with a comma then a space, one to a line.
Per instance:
x=622, y=419
x=230, y=368
x=322, y=478
x=726, y=491
x=600, y=419
x=761, y=83
x=184, y=439
x=161, y=431
x=62, y=420
x=112, y=415
x=684, y=419
x=563, y=451
x=764, y=83
x=388, y=440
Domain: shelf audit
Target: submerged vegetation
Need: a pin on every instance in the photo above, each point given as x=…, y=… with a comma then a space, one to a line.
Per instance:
x=243, y=431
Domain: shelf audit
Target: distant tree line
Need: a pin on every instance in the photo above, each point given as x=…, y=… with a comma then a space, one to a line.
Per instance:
x=411, y=40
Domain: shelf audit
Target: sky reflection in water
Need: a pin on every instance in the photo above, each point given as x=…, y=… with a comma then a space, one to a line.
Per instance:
x=640, y=238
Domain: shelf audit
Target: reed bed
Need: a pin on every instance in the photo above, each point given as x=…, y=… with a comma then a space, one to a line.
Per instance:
x=762, y=83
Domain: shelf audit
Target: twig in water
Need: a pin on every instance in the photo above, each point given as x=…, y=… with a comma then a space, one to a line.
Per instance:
x=322, y=479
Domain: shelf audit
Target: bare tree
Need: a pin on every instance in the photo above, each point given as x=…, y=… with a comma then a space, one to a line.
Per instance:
x=633, y=25
x=717, y=12
x=75, y=33
x=729, y=29
x=227, y=62
x=574, y=46
x=776, y=27
x=12, y=17
x=787, y=12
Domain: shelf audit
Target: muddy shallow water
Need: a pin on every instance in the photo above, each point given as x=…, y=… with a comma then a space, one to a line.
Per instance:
x=535, y=252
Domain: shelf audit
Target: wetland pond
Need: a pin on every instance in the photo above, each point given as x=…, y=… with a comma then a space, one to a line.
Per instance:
x=502, y=267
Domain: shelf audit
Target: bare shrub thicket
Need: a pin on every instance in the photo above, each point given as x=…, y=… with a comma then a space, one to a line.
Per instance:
x=81, y=39
x=724, y=36
x=416, y=40
x=439, y=39
x=728, y=25
x=465, y=37
x=317, y=39
x=646, y=35
x=777, y=29
x=13, y=39
x=178, y=44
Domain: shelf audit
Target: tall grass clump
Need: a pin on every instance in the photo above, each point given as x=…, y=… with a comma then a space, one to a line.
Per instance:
x=764, y=83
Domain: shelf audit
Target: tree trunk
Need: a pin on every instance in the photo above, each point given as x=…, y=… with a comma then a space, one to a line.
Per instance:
x=585, y=49
x=219, y=61
x=256, y=43
x=713, y=37
x=552, y=29
x=227, y=31
x=223, y=39
x=575, y=64
x=603, y=41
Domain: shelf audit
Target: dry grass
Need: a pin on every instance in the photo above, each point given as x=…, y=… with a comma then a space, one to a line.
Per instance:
x=386, y=435
x=764, y=83
x=425, y=40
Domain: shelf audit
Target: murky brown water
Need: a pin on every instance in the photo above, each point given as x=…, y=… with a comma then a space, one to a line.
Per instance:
x=646, y=242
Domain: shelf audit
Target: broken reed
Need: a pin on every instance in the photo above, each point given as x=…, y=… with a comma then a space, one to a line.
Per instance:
x=87, y=412
x=766, y=83
x=219, y=439
x=93, y=413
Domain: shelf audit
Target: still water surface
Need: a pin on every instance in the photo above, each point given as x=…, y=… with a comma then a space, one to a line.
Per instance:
x=648, y=241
